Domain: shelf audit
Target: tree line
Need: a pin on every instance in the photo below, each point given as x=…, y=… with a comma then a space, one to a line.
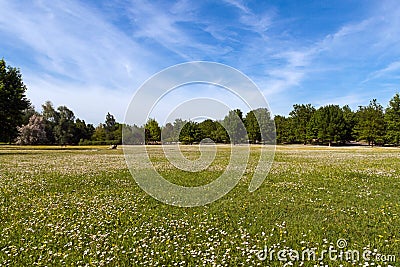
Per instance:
x=59, y=126
x=256, y=127
x=329, y=124
x=340, y=125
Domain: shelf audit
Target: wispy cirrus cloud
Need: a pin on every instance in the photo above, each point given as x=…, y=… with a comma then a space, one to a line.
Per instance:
x=70, y=40
x=166, y=25
x=72, y=48
x=393, y=69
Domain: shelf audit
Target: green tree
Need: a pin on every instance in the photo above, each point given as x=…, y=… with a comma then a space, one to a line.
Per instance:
x=392, y=119
x=167, y=133
x=252, y=127
x=133, y=135
x=266, y=125
x=110, y=126
x=152, y=131
x=371, y=123
x=51, y=118
x=83, y=131
x=64, y=130
x=327, y=124
x=220, y=135
x=350, y=119
x=284, y=132
x=207, y=128
x=28, y=113
x=233, y=123
x=190, y=133
x=13, y=101
x=178, y=125
x=99, y=133
x=301, y=115
x=118, y=134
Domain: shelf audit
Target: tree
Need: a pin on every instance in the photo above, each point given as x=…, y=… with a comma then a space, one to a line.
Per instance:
x=118, y=134
x=350, y=120
x=51, y=118
x=284, y=131
x=392, y=119
x=190, y=133
x=109, y=132
x=233, y=123
x=82, y=131
x=220, y=135
x=207, y=127
x=110, y=126
x=266, y=125
x=371, y=123
x=178, y=125
x=167, y=133
x=99, y=133
x=133, y=135
x=301, y=115
x=28, y=113
x=33, y=133
x=65, y=128
x=13, y=101
x=252, y=127
x=327, y=124
x=152, y=131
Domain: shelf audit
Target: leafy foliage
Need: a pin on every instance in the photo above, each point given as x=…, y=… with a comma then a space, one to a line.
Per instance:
x=233, y=123
x=190, y=133
x=392, y=119
x=13, y=101
x=371, y=123
x=301, y=115
x=152, y=132
x=327, y=125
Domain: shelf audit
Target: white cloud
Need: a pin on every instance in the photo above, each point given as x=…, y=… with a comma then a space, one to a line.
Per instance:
x=392, y=68
x=238, y=4
x=162, y=25
x=82, y=61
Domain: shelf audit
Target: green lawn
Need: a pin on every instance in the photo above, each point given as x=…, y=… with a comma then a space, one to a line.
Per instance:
x=82, y=207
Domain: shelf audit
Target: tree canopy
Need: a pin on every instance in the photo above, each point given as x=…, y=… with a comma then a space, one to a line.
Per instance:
x=392, y=120
x=13, y=101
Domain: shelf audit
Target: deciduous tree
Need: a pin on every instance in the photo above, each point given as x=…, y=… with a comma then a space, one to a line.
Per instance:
x=190, y=133
x=13, y=101
x=233, y=123
x=33, y=133
x=252, y=127
x=64, y=130
x=327, y=124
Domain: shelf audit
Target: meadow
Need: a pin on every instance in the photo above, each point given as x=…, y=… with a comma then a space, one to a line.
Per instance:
x=80, y=206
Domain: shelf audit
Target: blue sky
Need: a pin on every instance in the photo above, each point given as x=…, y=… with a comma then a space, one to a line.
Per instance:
x=92, y=55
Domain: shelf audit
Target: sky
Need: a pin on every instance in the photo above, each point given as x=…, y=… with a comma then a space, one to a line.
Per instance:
x=92, y=56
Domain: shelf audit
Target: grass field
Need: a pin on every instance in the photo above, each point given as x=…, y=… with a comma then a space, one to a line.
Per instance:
x=81, y=207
